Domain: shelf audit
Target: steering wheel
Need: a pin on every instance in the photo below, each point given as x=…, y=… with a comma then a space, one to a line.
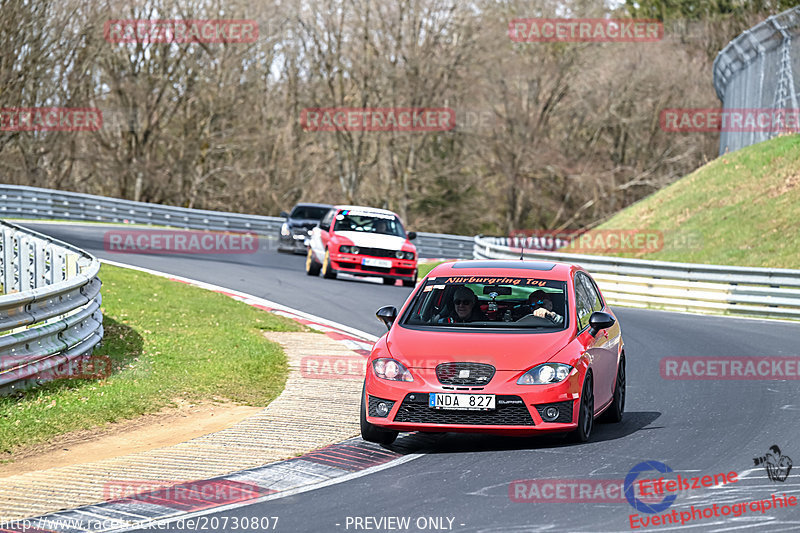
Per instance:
x=531, y=320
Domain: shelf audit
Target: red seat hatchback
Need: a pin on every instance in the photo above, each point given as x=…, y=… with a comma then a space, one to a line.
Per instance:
x=504, y=347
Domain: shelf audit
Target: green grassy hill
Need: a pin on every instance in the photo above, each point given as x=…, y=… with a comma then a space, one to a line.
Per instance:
x=740, y=209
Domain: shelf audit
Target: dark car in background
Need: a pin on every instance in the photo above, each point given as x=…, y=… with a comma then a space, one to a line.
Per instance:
x=298, y=226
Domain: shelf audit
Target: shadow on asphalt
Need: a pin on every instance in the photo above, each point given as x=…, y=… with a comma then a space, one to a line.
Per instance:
x=433, y=443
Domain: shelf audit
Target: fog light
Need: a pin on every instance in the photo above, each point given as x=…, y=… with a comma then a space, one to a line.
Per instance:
x=383, y=409
x=550, y=414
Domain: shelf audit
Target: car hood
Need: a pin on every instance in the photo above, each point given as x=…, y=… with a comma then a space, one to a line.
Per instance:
x=373, y=240
x=504, y=351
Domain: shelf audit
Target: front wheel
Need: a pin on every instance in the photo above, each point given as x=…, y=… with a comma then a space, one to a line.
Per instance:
x=585, y=412
x=389, y=281
x=410, y=282
x=371, y=432
x=617, y=408
x=327, y=271
x=312, y=267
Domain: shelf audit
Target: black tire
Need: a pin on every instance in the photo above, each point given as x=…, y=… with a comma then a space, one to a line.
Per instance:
x=585, y=412
x=410, y=282
x=617, y=408
x=312, y=267
x=389, y=281
x=371, y=432
x=327, y=271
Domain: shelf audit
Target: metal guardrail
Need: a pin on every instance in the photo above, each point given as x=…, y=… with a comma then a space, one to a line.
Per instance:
x=49, y=306
x=33, y=202
x=757, y=292
x=742, y=291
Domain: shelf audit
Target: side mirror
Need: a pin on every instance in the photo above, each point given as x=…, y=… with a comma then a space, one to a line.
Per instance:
x=412, y=235
x=600, y=321
x=284, y=214
x=387, y=315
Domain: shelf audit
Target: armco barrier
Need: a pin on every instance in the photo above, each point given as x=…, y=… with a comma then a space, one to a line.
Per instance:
x=743, y=291
x=757, y=292
x=33, y=202
x=49, y=306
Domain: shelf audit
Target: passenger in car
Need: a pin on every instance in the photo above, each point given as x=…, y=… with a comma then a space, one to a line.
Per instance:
x=381, y=227
x=464, y=309
x=542, y=307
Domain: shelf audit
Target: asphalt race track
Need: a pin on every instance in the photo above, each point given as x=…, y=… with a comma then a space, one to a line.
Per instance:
x=461, y=483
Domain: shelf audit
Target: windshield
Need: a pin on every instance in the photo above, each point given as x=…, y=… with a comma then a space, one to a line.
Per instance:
x=489, y=302
x=309, y=212
x=350, y=220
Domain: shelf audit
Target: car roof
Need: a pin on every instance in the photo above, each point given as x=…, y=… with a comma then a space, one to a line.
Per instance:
x=367, y=209
x=311, y=204
x=501, y=267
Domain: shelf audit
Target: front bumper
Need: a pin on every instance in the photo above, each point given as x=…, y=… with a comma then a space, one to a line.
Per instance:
x=518, y=408
x=353, y=264
x=293, y=243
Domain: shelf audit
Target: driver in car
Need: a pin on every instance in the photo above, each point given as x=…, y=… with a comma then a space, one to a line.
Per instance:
x=465, y=307
x=542, y=307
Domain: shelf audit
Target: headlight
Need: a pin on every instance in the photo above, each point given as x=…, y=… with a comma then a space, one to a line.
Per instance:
x=285, y=229
x=409, y=255
x=344, y=249
x=386, y=368
x=545, y=374
x=399, y=254
x=354, y=250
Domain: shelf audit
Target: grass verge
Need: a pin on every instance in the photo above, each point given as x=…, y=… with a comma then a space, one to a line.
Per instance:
x=740, y=209
x=424, y=268
x=166, y=341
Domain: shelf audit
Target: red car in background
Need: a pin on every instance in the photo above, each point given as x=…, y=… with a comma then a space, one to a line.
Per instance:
x=504, y=347
x=364, y=241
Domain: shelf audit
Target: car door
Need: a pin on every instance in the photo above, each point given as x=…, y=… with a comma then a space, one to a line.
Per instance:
x=605, y=344
x=320, y=235
x=593, y=345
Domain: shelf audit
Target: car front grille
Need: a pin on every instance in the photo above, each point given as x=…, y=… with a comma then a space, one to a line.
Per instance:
x=509, y=411
x=473, y=373
x=377, y=252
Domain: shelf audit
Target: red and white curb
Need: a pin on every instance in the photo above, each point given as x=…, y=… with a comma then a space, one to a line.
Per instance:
x=185, y=504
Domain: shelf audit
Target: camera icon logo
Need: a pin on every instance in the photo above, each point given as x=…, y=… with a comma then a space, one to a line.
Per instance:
x=777, y=465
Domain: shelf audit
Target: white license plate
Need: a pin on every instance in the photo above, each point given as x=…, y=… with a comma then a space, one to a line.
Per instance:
x=469, y=402
x=370, y=262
